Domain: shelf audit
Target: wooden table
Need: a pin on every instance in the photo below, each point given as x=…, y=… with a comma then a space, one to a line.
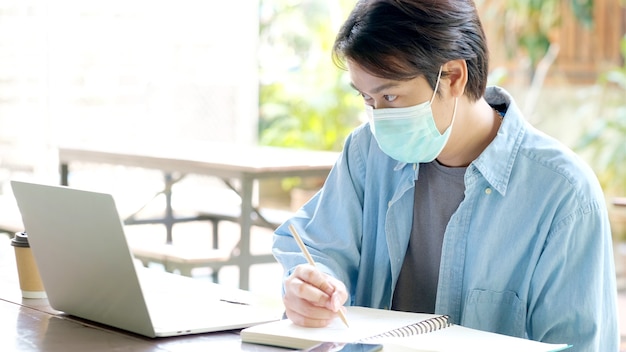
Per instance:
x=227, y=162
x=32, y=325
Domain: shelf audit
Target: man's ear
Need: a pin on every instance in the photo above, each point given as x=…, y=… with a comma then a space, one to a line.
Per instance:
x=456, y=74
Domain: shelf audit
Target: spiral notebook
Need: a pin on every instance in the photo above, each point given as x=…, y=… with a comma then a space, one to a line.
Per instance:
x=397, y=331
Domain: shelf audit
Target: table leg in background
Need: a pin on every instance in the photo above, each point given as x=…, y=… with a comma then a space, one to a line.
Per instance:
x=247, y=187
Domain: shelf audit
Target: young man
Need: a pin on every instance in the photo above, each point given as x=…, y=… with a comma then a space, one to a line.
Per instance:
x=448, y=201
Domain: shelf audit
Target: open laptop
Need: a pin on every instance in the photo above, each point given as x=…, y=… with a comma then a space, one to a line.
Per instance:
x=88, y=271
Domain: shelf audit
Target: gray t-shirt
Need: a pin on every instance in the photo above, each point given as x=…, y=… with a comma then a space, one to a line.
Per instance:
x=438, y=192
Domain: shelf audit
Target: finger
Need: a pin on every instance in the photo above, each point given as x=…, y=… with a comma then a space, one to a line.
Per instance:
x=304, y=314
x=297, y=288
x=335, y=289
x=307, y=304
x=339, y=296
x=307, y=321
x=314, y=277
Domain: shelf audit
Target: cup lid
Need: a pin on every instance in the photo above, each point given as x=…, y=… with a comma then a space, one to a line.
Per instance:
x=20, y=240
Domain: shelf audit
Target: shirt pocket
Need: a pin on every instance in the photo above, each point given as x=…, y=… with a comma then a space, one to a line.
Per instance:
x=499, y=312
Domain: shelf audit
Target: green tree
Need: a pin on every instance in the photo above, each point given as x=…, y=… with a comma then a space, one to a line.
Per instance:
x=305, y=101
x=525, y=26
x=604, y=138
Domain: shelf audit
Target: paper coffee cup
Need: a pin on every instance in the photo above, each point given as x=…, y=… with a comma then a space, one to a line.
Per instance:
x=30, y=280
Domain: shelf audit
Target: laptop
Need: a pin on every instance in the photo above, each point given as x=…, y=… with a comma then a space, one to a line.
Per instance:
x=88, y=271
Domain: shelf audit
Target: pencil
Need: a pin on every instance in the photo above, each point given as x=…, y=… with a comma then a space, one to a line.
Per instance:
x=312, y=262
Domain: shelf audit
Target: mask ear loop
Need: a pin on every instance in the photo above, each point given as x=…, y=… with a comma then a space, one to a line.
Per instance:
x=456, y=101
x=437, y=84
x=449, y=129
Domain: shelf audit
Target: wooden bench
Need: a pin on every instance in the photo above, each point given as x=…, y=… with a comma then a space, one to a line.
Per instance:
x=181, y=258
x=184, y=259
x=266, y=217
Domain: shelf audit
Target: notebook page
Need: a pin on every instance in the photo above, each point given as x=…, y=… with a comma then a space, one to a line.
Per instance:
x=364, y=322
x=458, y=338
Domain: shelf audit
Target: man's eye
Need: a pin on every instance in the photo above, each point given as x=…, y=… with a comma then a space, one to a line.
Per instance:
x=390, y=98
x=365, y=96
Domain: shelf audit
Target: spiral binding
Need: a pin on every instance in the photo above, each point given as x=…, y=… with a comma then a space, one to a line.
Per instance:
x=423, y=327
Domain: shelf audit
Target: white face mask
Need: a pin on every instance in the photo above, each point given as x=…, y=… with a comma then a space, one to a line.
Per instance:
x=409, y=134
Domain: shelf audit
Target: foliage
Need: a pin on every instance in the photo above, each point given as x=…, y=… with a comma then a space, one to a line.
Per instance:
x=605, y=140
x=305, y=101
x=618, y=74
x=527, y=25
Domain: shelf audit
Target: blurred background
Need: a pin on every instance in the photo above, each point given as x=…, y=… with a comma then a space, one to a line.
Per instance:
x=259, y=72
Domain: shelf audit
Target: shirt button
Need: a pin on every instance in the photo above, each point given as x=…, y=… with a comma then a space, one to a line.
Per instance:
x=389, y=205
x=487, y=190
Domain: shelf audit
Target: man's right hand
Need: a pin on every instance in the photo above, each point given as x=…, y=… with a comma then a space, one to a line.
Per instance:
x=313, y=298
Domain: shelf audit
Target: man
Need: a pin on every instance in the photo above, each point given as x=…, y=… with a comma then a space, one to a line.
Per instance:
x=447, y=201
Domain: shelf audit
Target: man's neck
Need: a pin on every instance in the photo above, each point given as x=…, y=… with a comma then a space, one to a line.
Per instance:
x=476, y=125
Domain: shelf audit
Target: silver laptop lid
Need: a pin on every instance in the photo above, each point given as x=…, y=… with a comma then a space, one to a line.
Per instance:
x=80, y=248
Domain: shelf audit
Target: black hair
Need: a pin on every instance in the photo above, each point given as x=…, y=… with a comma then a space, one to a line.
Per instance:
x=403, y=39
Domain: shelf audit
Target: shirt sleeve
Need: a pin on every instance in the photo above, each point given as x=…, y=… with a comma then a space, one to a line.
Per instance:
x=573, y=295
x=330, y=224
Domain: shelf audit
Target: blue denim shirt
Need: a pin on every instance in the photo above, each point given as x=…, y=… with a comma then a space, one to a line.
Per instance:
x=528, y=252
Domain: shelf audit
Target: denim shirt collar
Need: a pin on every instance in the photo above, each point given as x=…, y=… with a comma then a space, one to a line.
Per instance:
x=492, y=164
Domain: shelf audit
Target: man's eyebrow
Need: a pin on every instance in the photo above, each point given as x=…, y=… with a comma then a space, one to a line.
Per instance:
x=379, y=88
